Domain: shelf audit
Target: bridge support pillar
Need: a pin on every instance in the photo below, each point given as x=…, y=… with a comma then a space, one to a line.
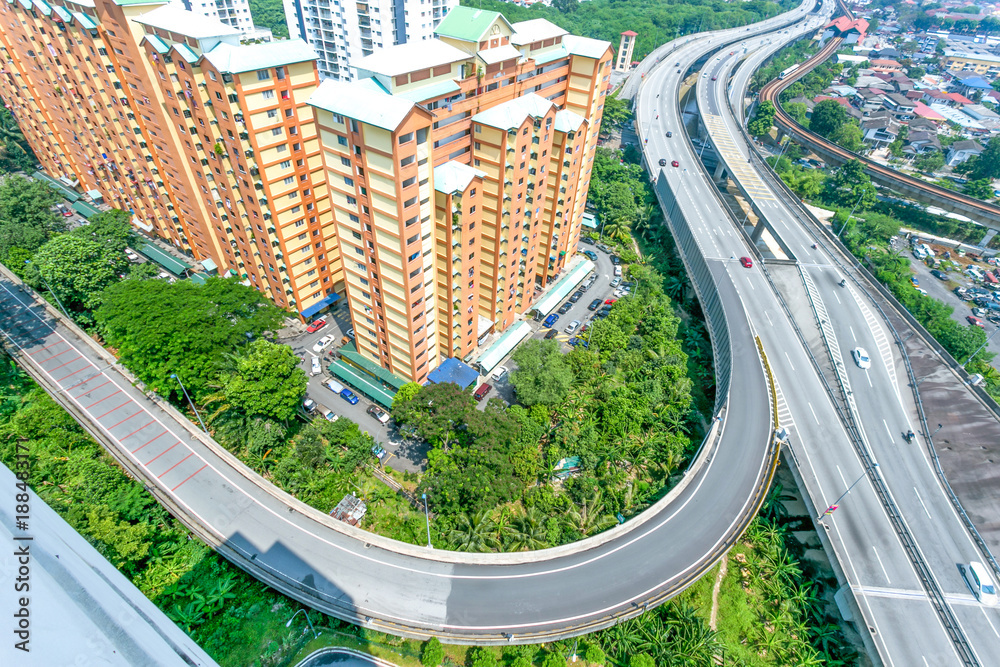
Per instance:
x=720, y=172
x=757, y=231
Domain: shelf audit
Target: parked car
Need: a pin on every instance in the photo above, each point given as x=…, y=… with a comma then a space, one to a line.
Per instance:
x=861, y=358
x=480, y=394
x=378, y=451
x=308, y=405
x=315, y=368
x=572, y=327
x=550, y=320
x=940, y=275
x=587, y=240
x=913, y=279
x=563, y=309
x=618, y=270
x=330, y=415
x=378, y=413
x=982, y=584
x=608, y=302
x=594, y=305
x=316, y=325
x=603, y=248
x=591, y=255
x=498, y=373
x=615, y=282
x=323, y=343
x=334, y=386
x=550, y=334
x=615, y=260
x=577, y=295
x=349, y=396
x=975, y=321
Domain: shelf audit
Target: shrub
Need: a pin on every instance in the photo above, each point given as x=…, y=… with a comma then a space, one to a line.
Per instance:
x=433, y=653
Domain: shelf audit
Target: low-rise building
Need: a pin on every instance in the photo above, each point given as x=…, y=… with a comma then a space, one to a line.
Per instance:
x=881, y=130
x=960, y=151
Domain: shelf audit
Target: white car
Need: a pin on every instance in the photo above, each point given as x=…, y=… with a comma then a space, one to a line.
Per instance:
x=572, y=327
x=331, y=416
x=982, y=584
x=322, y=343
x=618, y=270
x=861, y=358
x=498, y=372
x=616, y=282
x=315, y=368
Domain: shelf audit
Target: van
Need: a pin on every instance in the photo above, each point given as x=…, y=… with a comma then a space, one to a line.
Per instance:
x=334, y=386
x=484, y=389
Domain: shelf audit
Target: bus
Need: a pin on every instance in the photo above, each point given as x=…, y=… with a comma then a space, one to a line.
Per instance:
x=788, y=71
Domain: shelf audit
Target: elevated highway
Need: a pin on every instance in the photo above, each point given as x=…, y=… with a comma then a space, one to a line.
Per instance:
x=414, y=591
x=931, y=537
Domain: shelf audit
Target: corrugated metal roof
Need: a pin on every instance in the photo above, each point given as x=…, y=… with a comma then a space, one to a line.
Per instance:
x=568, y=121
x=429, y=92
x=454, y=177
x=250, y=57
x=174, y=18
x=163, y=258
x=361, y=103
x=585, y=46
x=468, y=23
x=535, y=30
x=361, y=383
x=500, y=349
x=158, y=44
x=410, y=57
x=545, y=57
x=367, y=365
x=561, y=289
x=84, y=21
x=186, y=53
x=511, y=114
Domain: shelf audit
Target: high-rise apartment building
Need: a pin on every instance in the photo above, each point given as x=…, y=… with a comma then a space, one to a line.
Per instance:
x=211, y=145
x=234, y=13
x=440, y=192
x=344, y=31
x=458, y=171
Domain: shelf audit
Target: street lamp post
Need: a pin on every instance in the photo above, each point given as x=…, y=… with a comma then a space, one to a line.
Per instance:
x=51, y=291
x=190, y=402
x=836, y=503
x=973, y=355
x=427, y=518
x=308, y=620
x=940, y=426
x=850, y=215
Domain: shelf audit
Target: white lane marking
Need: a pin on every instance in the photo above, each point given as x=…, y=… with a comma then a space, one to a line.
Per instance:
x=836, y=297
x=887, y=429
x=853, y=335
x=869, y=378
x=768, y=318
x=842, y=478
x=992, y=627
x=812, y=411
x=789, y=361
x=881, y=565
x=922, y=503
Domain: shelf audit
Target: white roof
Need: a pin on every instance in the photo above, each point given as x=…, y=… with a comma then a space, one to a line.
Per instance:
x=512, y=114
x=174, y=18
x=535, y=30
x=250, y=57
x=454, y=177
x=362, y=103
x=410, y=57
x=585, y=46
x=498, y=54
x=568, y=121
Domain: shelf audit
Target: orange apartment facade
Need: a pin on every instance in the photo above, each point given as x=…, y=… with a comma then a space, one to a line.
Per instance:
x=458, y=171
x=439, y=193
x=210, y=144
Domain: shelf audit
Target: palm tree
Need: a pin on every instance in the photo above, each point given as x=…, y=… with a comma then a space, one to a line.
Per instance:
x=472, y=533
x=618, y=229
x=528, y=532
x=589, y=517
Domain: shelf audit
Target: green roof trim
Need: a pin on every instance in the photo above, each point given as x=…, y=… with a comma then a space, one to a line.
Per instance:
x=66, y=192
x=468, y=23
x=163, y=258
x=361, y=383
x=186, y=53
x=370, y=367
x=85, y=209
x=63, y=14
x=158, y=44
x=44, y=6
x=85, y=21
x=198, y=278
x=129, y=3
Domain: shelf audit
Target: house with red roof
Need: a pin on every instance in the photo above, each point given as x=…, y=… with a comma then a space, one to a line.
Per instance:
x=853, y=32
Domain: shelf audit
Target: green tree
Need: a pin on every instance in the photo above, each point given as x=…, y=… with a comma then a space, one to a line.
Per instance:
x=160, y=329
x=482, y=656
x=270, y=14
x=15, y=153
x=848, y=136
x=641, y=660
x=406, y=392
x=850, y=186
x=433, y=653
x=763, y=119
x=79, y=270
x=266, y=381
x=980, y=189
x=984, y=165
x=554, y=659
x=798, y=111
x=111, y=229
x=617, y=203
x=827, y=117
x=616, y=110
x=26, y=217
x=542, y=376
x=594, y=654
x=929, y=162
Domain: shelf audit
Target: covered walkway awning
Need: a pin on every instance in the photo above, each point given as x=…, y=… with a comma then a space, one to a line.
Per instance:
x=163, y=258
x=362, y=383
x=453, y=370
x=354, y=358
x=492, y=357
x=563, y=287
x=85, y=209
x=66, y=192
x=306, y=313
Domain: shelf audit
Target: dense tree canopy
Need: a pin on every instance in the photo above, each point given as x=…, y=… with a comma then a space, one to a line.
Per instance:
x=984, y=165
x=850, y=186
x=26, y=218
x=827, y=118
x=111, y=229
x=78, y=270
x=159, y=328
x=265, y=381
x=763, y=119
x=543, y=376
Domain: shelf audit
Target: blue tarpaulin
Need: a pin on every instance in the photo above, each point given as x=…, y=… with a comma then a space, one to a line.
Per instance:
x=319, y=305
x=453, y=370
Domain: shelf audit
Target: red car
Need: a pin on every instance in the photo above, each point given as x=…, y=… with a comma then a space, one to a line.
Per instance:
x=746, y=261
x=975, y=321
x=316, y=325
x=608, y=302
x=675, y=163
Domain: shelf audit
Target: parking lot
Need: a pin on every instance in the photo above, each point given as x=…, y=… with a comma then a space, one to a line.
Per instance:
x=942, y=290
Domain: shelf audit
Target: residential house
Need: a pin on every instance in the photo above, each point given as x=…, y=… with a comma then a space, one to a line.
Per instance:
x=960, y=151
x=868, y=100
x=901, y=108
x=886, y=66
x=880, y=130
x=919, y=142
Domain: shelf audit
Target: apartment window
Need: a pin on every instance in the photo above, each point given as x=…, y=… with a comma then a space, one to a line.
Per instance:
x=279, y=73
x=345, y=161
x=276, y=132
x=283, y=148
x=268, y=94
x=405, y=138
x=351, y=201
x=263, y=74
x=406, y=161
x=289, y=180
x=296, y=147
x=286, y=164
x=472, y=192
x=293, y=195
x=272, y=113
x=342, y=141
x=211, y=75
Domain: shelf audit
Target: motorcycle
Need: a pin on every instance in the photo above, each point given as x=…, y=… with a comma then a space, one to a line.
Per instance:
x=843, y=283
